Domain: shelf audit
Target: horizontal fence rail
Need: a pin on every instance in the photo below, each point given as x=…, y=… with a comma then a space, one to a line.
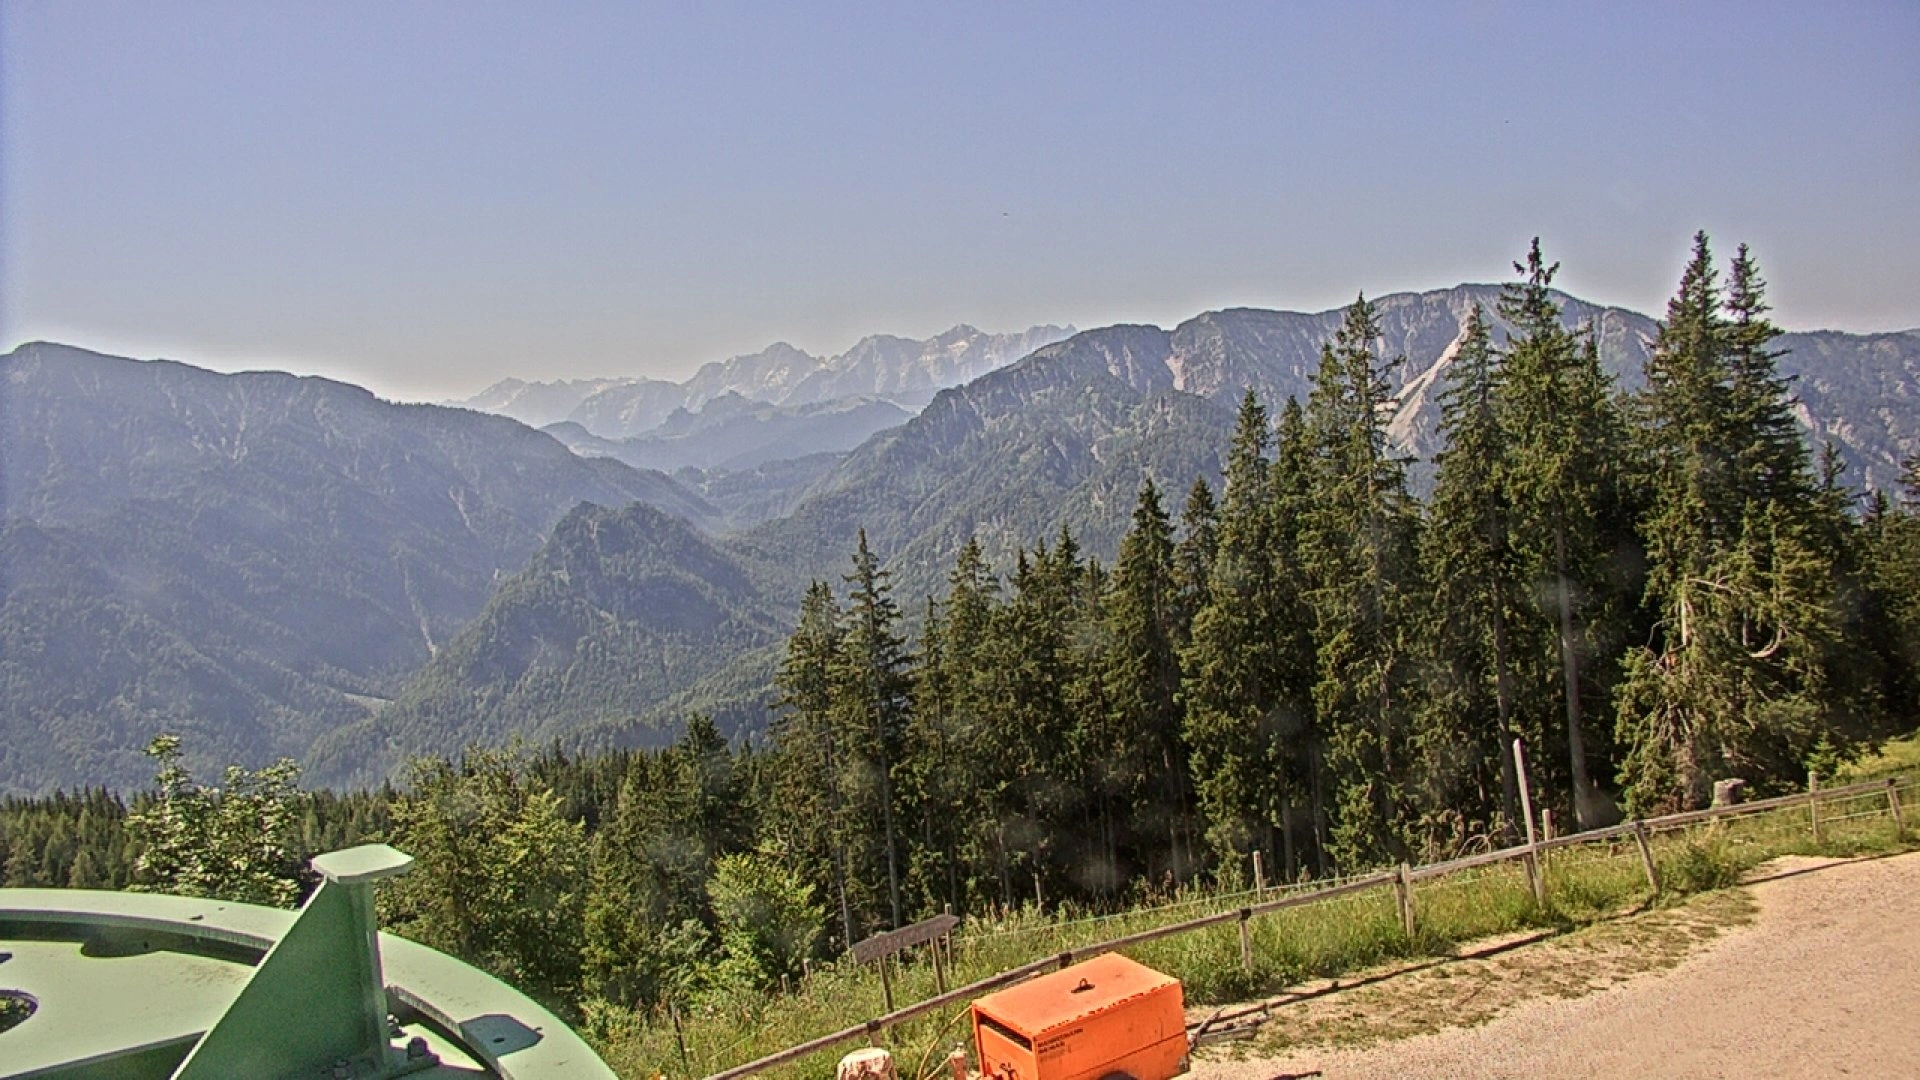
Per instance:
x=1301, y=895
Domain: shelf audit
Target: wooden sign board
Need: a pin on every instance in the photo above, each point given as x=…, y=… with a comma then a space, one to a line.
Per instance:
x=882, y=945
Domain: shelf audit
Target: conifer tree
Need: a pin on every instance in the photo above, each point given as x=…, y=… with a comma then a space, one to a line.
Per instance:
x=1357, y=542
x=1302, y=750
x=812, y=752
x=1193, y=556
x=1229, y=668
x=1141, y=755
x=1468, y=718
x=927, y=777
x=643, y=939
x=1770, y=462
x=1566, y=499
x=1036, y=676
x=500, y=874
x=954, y=767
x=1887, y=616
x=873, y=694
x=1743, y=676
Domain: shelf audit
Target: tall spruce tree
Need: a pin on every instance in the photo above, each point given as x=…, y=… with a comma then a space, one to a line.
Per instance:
x=873, y=693
x=1139, y=748
x=1742, y=676
x=813, y=752
x=1034, y=675
x=1566, y=497
x=1229, y=665
x=951, y=740
x=1358, y=545
x=1886, y=616
x=1193, y=556
x=1302, y=755
x=1468, y=718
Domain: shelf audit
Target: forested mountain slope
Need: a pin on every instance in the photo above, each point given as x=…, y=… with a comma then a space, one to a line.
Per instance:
x=257, y=560
x=1066, y=436
x=1063, y=438
x=249, y=559
x=617, y=613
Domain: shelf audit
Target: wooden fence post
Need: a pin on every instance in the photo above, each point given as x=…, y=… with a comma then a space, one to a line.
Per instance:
x=679, y=1036
x=1893, y=806
x=1532, y=857
x=1813, y=803
x=1403, y=888
x=1246, y=942
x=1646, y=856
x=1259, y=877
x=1547, y=834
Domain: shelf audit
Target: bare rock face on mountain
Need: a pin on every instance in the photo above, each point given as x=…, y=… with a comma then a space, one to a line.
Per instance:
x=536, y=404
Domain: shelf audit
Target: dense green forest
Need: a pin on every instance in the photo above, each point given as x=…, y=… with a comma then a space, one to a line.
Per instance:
x=1651, y=590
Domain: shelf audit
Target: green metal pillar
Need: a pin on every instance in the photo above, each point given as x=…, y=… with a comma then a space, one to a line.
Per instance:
x=318, y=995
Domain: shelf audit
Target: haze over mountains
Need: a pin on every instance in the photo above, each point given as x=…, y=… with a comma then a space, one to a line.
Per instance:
x=902, y=371
x=273, y=564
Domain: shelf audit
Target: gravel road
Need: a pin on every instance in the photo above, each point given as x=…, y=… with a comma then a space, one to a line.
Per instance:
x=1825, y=981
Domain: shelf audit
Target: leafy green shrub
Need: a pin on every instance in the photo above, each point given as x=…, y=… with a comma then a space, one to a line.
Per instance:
x=234, y=842
x=768, y=920
x=1701, y=864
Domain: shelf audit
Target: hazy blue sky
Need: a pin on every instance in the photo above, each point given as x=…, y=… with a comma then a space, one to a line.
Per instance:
x=425, y=197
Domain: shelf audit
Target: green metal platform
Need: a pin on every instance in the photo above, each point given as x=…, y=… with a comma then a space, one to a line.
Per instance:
x=141, y=986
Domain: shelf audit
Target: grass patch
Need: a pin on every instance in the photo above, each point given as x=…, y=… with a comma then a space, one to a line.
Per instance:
x=1897, y=757
x=1586, y=886
x=1471, y=987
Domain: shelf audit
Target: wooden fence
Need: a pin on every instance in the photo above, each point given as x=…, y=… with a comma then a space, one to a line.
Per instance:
x=1401, y=879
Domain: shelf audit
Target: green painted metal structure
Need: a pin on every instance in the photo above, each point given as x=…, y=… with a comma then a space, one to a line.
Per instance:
x=139, y=986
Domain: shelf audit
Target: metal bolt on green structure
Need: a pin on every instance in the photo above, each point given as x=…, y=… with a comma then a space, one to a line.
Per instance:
x=135, y=986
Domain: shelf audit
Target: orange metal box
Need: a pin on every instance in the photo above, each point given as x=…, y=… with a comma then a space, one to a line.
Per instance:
x=1107, y=1017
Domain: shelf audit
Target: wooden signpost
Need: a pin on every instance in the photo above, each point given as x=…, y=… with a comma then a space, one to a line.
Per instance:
x=880, y=948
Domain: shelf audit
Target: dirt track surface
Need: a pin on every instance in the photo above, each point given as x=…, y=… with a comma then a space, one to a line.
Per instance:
x=1823, y=979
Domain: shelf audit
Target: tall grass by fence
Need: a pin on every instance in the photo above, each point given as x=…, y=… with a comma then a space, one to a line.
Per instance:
x=1232, y=945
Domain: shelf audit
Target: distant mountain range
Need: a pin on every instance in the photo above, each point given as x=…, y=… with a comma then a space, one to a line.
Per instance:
x=902, y=371
x=280, y=565
x=253, y=560
x=731, y=433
